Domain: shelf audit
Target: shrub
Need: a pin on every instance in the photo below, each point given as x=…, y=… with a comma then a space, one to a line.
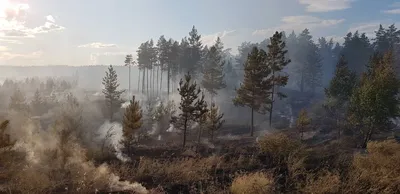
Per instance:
x=279, y=147
x=324, y=182
x=254, y=183
x=377, y=171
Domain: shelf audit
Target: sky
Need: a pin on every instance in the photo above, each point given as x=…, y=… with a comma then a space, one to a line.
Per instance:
x=102, y=32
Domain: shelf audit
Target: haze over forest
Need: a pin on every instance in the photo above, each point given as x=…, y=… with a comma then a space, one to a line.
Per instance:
x=241, y=97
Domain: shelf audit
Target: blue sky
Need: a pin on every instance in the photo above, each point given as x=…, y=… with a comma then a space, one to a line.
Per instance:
x=88, y=32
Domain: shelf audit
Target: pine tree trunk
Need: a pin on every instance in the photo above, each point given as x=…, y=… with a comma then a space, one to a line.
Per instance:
x=367, y=138
x=161, y=75
x=147, y=80
x=158, y=69
x=168, y=79
x=153, y=79
x=143, y=79
x=138, y=85
x=184, y=133
x=302, y=82
x=337, y=125
x=129, y=78
x=272, y=99
x=252, y=122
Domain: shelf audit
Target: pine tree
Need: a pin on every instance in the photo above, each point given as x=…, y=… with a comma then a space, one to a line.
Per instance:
x=309, y=67
x=213, y=74
x=132, y=121
x=142, y=62
x=38, y=104
x=18, y=102
x=214, y=120
x=276, y=61
x=129, y=62
x=339, y=92
x=328, y=59
x=303, y=123
x=357, y=51
x=195, y=53
x=253, y=92
x=5, y=141
x=192, y=106
x=163, y=52
x=375, y=101
x=111, y=92
x=173, y=62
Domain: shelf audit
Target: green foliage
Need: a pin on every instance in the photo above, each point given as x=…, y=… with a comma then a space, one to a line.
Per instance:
x=38, y=105
x=213, y=75
x=192, y=106
x=375, y=101
x=254, y=91
x=309, y=69
x=5, y=141
x=303, y=122
x=357, y=50
x=214, y=120
x=18, y=102
x=132, y=121
x=111, y=92
x=276, y=62
x=339, y=92
x=342, y=84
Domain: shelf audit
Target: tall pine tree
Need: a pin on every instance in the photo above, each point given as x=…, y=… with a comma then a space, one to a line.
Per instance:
x=192, y=106
x=339, y=92
x=375, y=101
x=213, y=72
x=132, y=121
x=252, y=92
x=276, y=61
x=111, y=93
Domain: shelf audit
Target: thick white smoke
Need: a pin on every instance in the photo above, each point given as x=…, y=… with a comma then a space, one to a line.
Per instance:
x=54, y=150
x=115, y=139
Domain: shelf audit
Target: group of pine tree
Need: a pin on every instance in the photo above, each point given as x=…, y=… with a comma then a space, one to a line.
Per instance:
x=348, y=72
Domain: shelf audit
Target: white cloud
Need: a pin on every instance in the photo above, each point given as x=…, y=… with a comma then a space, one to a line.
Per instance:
x=98, y=45
x=367, y=28
x=392, y=11
x=326, y=5
x=50, y=18
x=335, y=38
x=395, y=10
x=9, y=55
x=13, y=21
x=298, y=23
x=109, y=57
x=211, y=38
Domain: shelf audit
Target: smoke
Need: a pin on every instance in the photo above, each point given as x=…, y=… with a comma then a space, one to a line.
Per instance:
x=57, y=155
x=114, y=139
x=125, y=104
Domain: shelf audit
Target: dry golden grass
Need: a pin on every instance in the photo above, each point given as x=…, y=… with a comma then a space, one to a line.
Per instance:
x=185, y=170
x=254, y=183
x=322, y=183
x=377, y=171
x=279, y=146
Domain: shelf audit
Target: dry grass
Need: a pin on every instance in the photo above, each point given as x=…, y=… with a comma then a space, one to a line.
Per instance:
x=185, y=170
x=279, y=147
x=322, y=183
x=378, y=171
x=254, y=183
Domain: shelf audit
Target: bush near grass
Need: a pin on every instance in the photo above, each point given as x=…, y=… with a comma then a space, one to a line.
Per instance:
x=377, y=171
x=279, y=147
x=254, y=183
